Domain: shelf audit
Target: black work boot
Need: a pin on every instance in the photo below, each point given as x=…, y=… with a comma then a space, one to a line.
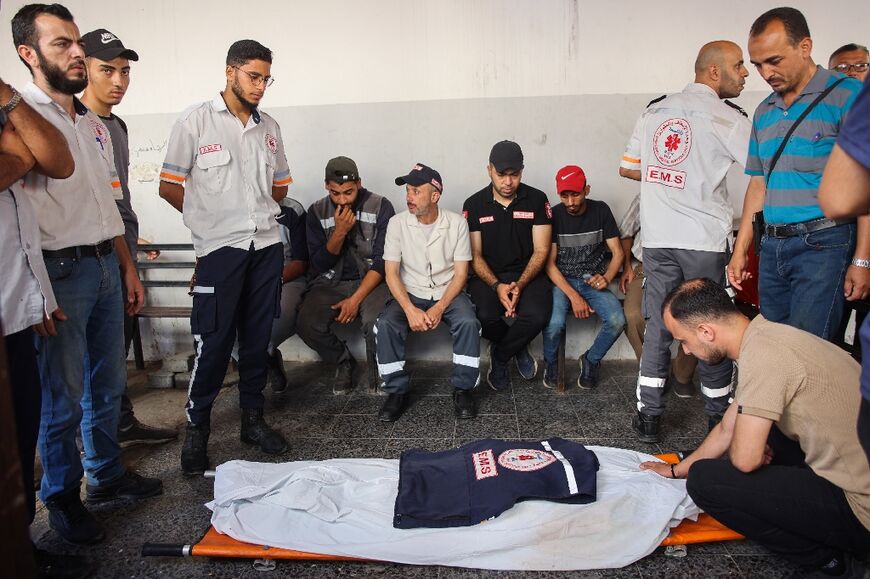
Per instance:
x=71, y=520
x=646, y=427
x=256, y=431
x=343, y=382
x=194, y=451
x=277, y=376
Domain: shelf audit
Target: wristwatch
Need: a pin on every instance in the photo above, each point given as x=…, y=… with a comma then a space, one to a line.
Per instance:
x=494, y=286
x=13, y=102
x=861, y=262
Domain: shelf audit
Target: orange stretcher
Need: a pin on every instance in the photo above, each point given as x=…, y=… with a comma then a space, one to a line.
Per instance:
x=214, y=544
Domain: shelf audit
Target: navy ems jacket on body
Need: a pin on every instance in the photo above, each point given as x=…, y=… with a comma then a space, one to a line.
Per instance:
x=468, y=485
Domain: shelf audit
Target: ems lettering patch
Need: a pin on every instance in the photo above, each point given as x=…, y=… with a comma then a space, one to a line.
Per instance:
x=272, y=143
x=524, y=214
x=484, y=464
x=487, y=219
x=525, y=459
x=214, y=148
x=666, y=177
x=672, y=142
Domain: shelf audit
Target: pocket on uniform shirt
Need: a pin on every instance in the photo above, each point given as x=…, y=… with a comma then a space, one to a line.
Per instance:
x=215, y=169
x=203, y=316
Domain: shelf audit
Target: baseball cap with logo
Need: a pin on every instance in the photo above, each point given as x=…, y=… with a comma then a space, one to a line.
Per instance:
x=341, y=170
x=103, y=45
x=570, y=178
x=421, y=174
x=506, y=155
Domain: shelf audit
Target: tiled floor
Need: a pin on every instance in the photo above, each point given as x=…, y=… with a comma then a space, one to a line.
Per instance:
x=320, y=425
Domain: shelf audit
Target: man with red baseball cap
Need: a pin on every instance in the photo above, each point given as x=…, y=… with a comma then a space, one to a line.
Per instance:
x=583, y=231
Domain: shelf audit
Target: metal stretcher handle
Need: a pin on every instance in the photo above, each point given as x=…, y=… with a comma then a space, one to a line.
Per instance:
x=165, y=550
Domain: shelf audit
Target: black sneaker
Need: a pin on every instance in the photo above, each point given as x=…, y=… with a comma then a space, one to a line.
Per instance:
x=527, y=366
x=551, y=374
x=588, y=377
x=138, y=433
x=58, y=565
x=498, y=377
x=277, y=376
x=72, y=521
x=194, y=450
x=343, y=383
x=646, y=427
x=129, y=486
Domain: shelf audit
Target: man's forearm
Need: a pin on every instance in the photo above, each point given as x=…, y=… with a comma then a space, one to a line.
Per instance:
x=370, y=281
x=335, y=242
x=533, y=268
x=12, y=169
x=294, y=270
x=173, y=193
x=45, y=141
x=398, y=290
x=453, y=290
x=626, y=243
x=125, y=260
x=752, y=204
x=483, y=271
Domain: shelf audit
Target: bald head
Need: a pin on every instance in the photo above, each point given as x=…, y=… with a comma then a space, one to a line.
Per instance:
x=720, y=66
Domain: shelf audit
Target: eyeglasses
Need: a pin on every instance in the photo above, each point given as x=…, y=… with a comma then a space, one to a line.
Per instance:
x=257, y=79
x=859, y=67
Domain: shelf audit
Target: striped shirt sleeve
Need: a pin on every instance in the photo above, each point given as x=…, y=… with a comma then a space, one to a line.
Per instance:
x=631, y=156
x=179, y=154
x=281, y=177
x=753, y=159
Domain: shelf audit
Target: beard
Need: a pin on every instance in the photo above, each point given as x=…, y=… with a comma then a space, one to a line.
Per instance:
x=237, y=91
x=57, y=78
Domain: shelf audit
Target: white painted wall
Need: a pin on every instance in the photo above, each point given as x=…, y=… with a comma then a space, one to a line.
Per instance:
x=393, y=82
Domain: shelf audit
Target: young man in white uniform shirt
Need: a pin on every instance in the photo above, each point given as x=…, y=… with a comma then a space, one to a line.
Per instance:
x=226, y=170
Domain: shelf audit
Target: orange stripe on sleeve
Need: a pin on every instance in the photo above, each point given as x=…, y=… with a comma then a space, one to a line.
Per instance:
x=630, y=159
x=170, y=177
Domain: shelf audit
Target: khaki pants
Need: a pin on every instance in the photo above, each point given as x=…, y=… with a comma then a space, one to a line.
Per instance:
x=684, y=365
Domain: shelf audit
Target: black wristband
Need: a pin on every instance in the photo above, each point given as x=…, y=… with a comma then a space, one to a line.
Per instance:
x=673, y=473
x=494, y=286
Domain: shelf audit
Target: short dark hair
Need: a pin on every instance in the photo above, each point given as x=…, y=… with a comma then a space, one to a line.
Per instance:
x=24, y=24
x=795, y=24
x=242, y=51
x=697, y=300
x=851, y=47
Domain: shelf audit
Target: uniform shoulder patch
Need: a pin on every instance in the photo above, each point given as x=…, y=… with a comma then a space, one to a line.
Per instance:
x=737, y=108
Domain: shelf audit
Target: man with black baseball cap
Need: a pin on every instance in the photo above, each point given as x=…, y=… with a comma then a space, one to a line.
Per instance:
x=426, y=257
x=345, y=231
x=108, y=64
x=509, y=226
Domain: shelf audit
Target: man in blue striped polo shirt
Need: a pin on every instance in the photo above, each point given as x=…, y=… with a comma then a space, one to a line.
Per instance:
x=805, y=270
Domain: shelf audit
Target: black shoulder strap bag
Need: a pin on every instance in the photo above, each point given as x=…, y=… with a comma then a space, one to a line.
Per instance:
x=758, y=218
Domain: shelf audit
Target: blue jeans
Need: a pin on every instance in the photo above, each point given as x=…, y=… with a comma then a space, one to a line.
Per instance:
x=83, y=375
x=800, y=278
x=606, y=306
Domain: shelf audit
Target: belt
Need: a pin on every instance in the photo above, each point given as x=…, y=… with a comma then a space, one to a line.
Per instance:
x=102, y=248
x=792, y=229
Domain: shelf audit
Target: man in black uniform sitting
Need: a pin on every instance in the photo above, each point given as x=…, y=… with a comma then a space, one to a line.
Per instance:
x=509, y=225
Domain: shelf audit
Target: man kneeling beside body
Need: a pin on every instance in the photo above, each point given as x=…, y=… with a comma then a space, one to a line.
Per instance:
x=426, y=257
x=795, y=478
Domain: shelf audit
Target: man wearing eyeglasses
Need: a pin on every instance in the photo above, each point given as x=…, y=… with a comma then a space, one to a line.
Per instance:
x=851, y=59
x=226, y=170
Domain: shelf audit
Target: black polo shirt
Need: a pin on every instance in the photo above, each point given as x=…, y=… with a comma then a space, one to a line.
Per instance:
x=506, y=232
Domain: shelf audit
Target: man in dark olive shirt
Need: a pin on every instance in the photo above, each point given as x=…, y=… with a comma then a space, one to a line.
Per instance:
x=509, y=225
